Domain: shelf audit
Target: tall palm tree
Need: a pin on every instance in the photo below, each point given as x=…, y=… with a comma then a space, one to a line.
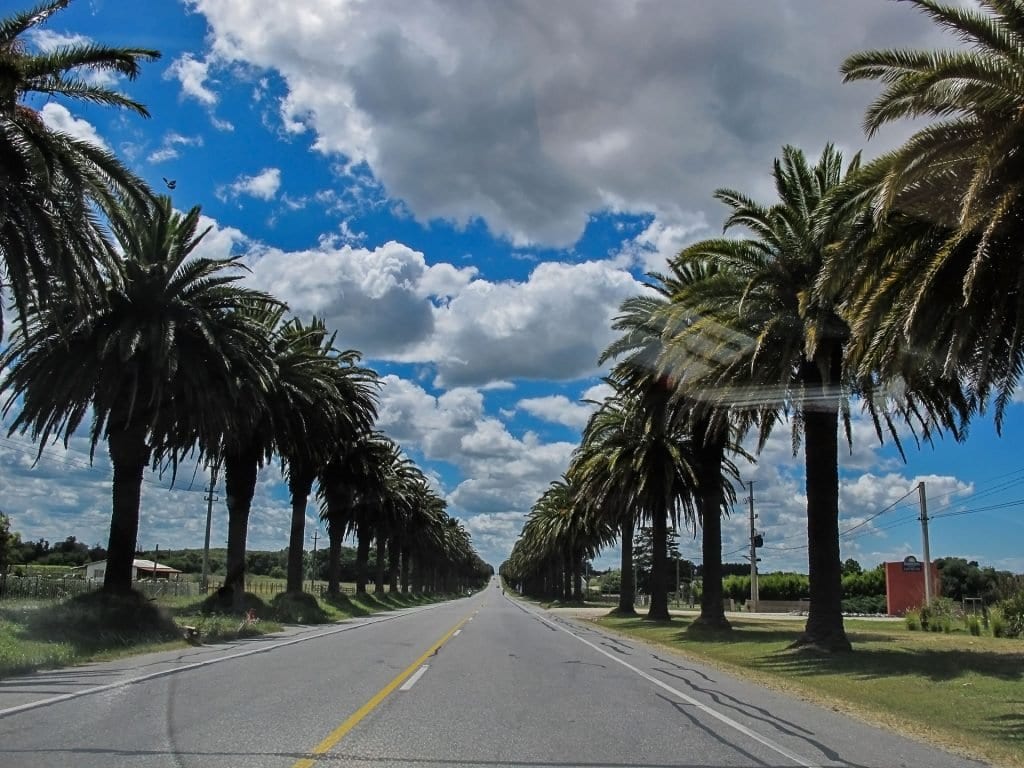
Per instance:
x=351, y=487
x=52, y=183
x=330, y=399
x=940, y=276
x=782, y=349
x=156, y=358
x=650, y=360
x=648, y=461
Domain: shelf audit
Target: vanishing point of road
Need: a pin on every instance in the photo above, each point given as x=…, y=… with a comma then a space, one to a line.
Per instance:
x=480, y=681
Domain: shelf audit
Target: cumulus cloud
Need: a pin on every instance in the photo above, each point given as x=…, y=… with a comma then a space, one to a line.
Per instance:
x=393, y=305
x=552, y=326
x=533, y=115
x=263, y=185
x=58, y=118
x=557, y=409
x=379, y=299
x=192, y=74
x=170, y=147
x=502, y=475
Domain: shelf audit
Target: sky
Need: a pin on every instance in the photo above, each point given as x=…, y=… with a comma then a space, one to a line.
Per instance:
x=467, y=191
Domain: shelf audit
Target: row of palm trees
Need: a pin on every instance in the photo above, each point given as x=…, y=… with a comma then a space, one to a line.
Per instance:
x=122, y=321
x=896, y=286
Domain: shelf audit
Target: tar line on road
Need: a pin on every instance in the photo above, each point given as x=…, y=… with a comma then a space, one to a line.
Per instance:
x=417, y=667
x=710, y=711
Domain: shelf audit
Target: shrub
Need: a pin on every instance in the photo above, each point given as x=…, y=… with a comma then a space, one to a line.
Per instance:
x=865, y=604
x=913, y=620
x=301, y=608
x=997, y=622
x=1012, y=610
x=974, y=625
x=277, y=572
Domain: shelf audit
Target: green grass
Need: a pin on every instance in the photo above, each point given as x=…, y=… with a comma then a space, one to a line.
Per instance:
x=954, y=689
x=38, y=635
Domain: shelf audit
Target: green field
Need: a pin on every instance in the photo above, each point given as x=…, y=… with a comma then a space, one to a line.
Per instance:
x=964, y=692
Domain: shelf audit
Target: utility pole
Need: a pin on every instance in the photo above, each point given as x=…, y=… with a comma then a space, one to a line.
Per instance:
x=312, y=574
x=754, y=591
x=923, y=499
x=209, y=518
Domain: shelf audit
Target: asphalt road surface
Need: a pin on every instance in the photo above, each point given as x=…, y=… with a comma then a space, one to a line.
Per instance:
x=481, y=681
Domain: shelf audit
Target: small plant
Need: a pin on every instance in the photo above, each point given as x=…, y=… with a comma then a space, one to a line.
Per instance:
x=974, y=625
x=1012, y=609
x=913, y=620
x=997, y=622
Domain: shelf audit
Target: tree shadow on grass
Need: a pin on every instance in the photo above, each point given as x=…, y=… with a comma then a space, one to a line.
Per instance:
x=343, y=603
x=937, y=665
x=98, y=621
x=1009, y=727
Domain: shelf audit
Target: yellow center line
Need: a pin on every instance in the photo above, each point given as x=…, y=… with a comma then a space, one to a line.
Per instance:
x=353, y=720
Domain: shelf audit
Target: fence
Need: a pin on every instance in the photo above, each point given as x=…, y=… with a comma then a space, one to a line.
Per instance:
x=40, y=588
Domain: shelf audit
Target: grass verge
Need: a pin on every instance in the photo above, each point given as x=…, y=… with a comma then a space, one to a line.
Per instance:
x=37, y=635
x=963, y=692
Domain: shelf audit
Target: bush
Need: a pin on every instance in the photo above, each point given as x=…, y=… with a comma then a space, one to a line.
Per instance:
x=277, y=572
x=974, y=625
x=913, y=620
x=1012, y=610
x=872, y=604
x=997, y=622
x=300, y=608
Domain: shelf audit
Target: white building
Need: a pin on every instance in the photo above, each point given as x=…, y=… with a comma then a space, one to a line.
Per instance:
x=141, y=569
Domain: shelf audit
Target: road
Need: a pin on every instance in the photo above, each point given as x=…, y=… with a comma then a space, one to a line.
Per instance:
x=481, y=681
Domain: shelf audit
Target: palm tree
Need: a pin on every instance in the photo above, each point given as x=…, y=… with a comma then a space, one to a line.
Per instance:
x=52, y=182
x=937, y=281
x=156, y=357
x=781, y=350
x=330, y=399
x=351, y=486
x=649, y=360
x=648, y=461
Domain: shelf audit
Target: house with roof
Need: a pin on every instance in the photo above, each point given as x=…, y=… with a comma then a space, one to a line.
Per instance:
x=141, y=569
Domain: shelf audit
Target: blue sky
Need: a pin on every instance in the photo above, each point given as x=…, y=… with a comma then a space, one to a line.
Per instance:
x=467, y=191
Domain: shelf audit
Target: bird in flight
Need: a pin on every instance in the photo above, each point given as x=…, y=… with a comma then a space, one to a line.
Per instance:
x=171, y=183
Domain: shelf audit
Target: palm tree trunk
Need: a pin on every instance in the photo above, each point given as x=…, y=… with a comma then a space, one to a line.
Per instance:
x=300, y=483
x=709, y=508
x=362, y=558
x=394, y=555
x=405, y=570
x=627, y=589
x=659, y=570
x=129, y=454
x=567, y=574
x=240, y=469
x=334, y=536
x=824, y=627
x=577, y=576
x=378, y=577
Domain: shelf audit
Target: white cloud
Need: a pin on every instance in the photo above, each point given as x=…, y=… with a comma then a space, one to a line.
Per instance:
x=170, y=147
x=552, y=326
x=557, y=409
x=193, y=74
x=58, y=118
x=263, y=185
x=568, y=115
x=503, y=475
